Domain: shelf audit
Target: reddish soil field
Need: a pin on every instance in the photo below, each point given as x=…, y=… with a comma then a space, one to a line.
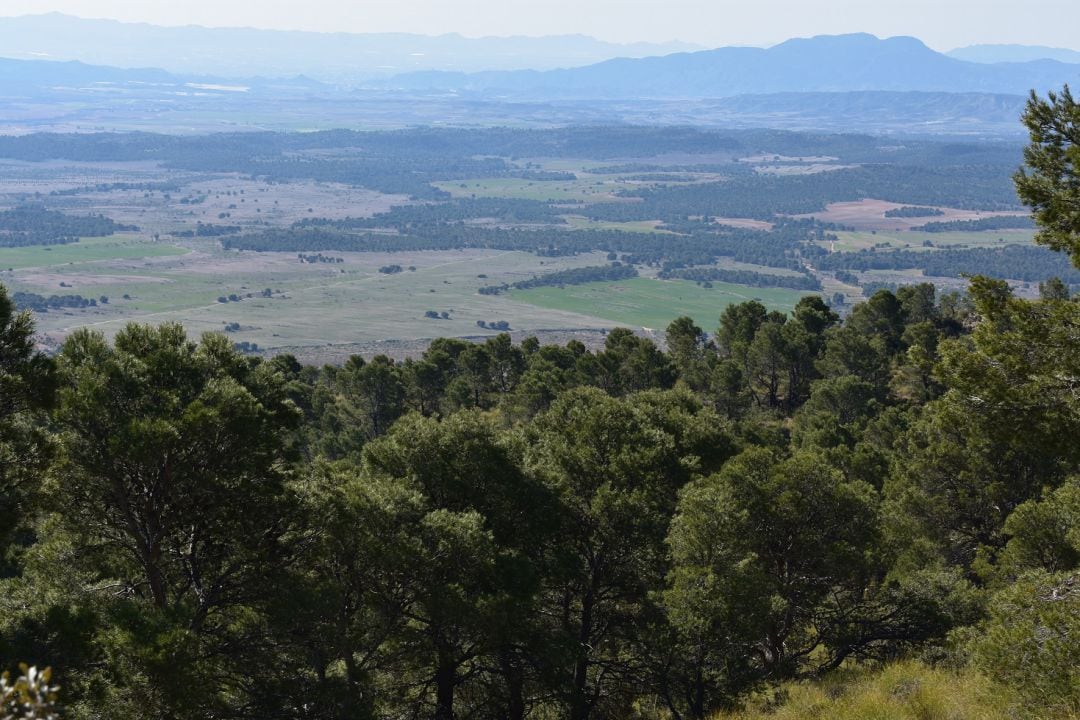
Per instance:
x=869, y=214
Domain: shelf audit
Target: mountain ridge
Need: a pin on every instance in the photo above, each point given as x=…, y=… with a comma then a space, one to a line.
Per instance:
x=833, y=83
x=337, y=57
x=825, y=63
x=997, y=53
x=34, y=78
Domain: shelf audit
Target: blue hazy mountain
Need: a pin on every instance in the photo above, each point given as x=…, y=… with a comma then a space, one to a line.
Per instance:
x=22, y=77
x=340, y=57
x=833, y=63
x=826, y=83
x=48, y=79
x=1013, y=53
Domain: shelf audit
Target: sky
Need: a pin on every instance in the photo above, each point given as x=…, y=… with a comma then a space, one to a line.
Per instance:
x=942, y=24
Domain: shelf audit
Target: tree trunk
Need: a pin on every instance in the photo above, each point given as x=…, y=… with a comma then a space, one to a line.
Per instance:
x=697, y=707
x=154, y=576
x=515, y=685
x=579, y=701
x=445, y=682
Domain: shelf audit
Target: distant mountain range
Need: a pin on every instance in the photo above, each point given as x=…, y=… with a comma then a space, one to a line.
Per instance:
x=834, y=63
x=564, y=67
x=45, y=79
x=836, y=83
x=1013, y=53
x=20, y=78
x=333, y=57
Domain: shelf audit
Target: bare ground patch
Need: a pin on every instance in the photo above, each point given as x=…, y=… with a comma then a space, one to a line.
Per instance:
x=746, y=223
x=210, y=198
x=869, y=214
x=77, y=280
x=811, y=169
x=765, y=158
x=244, y=201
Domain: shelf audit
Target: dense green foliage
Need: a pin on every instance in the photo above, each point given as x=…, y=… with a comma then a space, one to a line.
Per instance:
x=1018, y=262
x=763, y=196
x=999, y=222
x=593, y=142
x=1048, y=183
x=43, y=303
x=26, y=393
x=405, y=216
x=573, y=276
x=913, y=211
x=202, y=230
x=776, y=248
x=743, y=277
x=500, y=530
x=408, y=161
x=35, y=225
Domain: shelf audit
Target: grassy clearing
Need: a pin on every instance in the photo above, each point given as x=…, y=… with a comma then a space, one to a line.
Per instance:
x=729, y=264
x=913, y=240
x=903, y=691
x=116, y=247
x=317, y=305
x=653, y=304
x=578, y=222
x=587, y=190
x=351, y=302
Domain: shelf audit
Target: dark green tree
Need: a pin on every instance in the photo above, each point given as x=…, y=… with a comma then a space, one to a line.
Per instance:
x=1050, y=182
x=1045, y=533
x=738, y=325
x=375, y=390
x=728, y=389
x=432, y=559
x=473, y=381
x=627, y=364
x=616, y=467
x=1054, y=289
x=804, y=338
x=693, y=355
x=507, y=363
x=767, y=363
x=1029, y=642
x=170, y=496
x=1003, y=431
x=27, y=390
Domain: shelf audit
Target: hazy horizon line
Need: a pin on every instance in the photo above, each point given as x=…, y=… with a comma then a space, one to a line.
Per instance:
x=512, y=36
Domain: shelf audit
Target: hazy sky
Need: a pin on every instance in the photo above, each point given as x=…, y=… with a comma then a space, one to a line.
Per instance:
x=943, y=24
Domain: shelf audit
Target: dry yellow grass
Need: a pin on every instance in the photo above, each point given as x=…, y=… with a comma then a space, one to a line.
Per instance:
x=902, y=691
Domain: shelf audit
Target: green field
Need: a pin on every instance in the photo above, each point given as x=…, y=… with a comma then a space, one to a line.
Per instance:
x=116, y=247
x=653, y=304
x=914, y=240
x=312, y=305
